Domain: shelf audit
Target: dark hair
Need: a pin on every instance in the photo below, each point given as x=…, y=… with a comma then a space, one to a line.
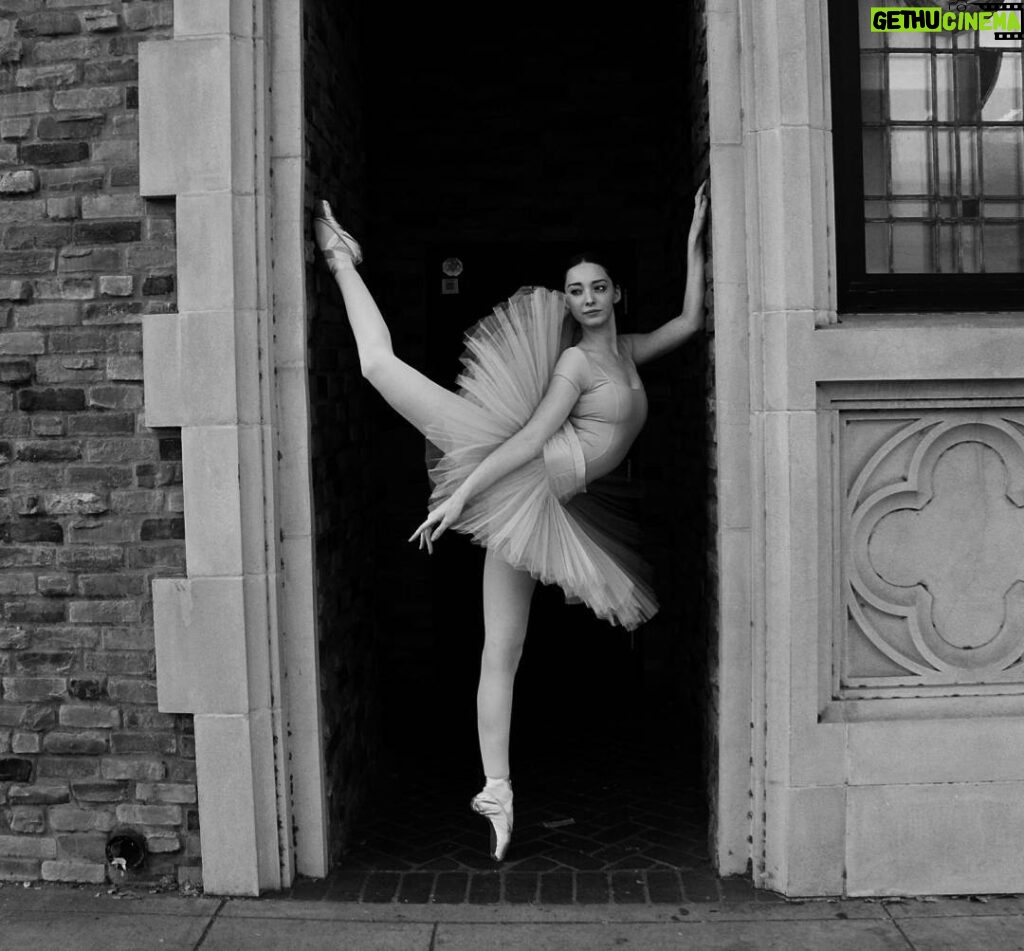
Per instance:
x=585, y=257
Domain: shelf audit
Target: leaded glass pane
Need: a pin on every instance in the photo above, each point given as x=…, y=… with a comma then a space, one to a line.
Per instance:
x=911, y=247
x=910, y=160
x=876, y=239
x=1002, y=161
x=1002, y=246
x=910, y=87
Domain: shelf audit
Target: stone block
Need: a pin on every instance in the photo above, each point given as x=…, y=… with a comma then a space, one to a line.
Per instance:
x=163, y=842
x=64, y=208
x=24, y=846
x=44, y=661
x=84, y=743
x=15, y=769
x=17, y=583
x=34, y=688
x=28, y=820
x=89, y=715
x=68, y=818
x=19, y=182
x=189, y=369
x=22, y=343
x=73, y=126
x=213, y=481
x=92, y=873
x=196, y=672
x=141, y=770
x=90, y=97
x=158, y=284
x=99, y=20
x=216, y=253
x=56, y=585
x=75, y=259
x=181, y=793
x=115, y=397
x=125, y=367
x=105, y=71
x=19, y=870
x=64, y=288
x=19, y=237
x=81, y=177
x=164, y=815
x=82, y=846
x=26, y=262
x=24, y=103
x=43, y=794
x=141, y=742
x=185, y=149
x=54, y=153
x=68, y=767
x=15, y=290
x=15, y=129
x=49, y=23
x=99, y=791
x=26, y=743
x=146, y=16
x=900, y=839
x=106, y=232
x=116, y=285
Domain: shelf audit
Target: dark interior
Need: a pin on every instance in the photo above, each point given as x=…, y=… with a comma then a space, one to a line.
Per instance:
x=510, y=142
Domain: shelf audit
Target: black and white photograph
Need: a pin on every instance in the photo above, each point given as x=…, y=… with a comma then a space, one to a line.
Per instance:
x=542, y=476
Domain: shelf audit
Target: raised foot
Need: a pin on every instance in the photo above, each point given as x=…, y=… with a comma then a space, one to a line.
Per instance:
x=336, y=244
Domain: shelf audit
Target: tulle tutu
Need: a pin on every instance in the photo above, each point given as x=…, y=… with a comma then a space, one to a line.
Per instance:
x=541, y=517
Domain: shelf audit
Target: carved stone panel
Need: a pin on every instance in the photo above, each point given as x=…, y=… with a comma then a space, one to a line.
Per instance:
x=931, y=560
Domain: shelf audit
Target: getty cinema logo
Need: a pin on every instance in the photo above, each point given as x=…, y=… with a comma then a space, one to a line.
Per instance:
x=1001, y=20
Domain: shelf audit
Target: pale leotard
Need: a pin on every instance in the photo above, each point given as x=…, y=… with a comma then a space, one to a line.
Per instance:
x=606, y=419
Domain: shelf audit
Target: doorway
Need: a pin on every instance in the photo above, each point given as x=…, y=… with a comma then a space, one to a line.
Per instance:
x=507, y=149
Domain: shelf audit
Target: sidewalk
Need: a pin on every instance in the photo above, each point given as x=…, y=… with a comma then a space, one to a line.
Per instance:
x=48, y=917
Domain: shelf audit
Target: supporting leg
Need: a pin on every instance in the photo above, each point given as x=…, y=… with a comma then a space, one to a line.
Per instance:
x=507, y=595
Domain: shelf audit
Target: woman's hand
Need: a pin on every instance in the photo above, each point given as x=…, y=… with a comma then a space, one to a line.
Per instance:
x=438, y=521
x=700, y=217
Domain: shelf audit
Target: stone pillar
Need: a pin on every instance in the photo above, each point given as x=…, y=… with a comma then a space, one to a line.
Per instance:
x=208, y=369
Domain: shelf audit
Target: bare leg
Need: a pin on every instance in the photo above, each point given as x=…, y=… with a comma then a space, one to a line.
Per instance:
x=507, y=595
x=416, y=397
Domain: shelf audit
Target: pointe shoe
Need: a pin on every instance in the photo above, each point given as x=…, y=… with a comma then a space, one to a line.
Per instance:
x=498, y=812
x=333, y=240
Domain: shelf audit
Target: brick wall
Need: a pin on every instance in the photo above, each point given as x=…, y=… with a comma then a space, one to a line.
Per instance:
x=90, y=498
x=342, y=481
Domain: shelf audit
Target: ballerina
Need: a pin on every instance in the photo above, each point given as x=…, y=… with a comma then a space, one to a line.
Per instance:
x=536, y=423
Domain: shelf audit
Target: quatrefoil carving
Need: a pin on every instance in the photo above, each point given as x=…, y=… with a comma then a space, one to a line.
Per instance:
x=943, y=549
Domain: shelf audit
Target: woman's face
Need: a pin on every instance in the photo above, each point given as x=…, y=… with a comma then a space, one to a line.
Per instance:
x=590, y=294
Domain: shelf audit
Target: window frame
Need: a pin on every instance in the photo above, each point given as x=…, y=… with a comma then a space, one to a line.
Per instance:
x=857, y=290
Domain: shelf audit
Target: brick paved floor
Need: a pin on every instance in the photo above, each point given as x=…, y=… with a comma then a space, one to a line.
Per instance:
x=613, y=817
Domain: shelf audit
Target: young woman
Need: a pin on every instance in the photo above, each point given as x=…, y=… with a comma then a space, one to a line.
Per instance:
x=535, y=423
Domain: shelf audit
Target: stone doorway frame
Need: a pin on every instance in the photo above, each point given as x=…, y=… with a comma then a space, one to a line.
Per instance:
x=221, y=129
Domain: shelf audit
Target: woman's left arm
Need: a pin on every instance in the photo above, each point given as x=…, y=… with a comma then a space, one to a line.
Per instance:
x=677, y=331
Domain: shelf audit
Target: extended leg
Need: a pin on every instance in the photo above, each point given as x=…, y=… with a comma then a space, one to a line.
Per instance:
x=416, y=397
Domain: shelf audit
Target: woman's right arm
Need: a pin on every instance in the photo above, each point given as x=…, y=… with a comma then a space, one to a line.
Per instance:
x=569, y=379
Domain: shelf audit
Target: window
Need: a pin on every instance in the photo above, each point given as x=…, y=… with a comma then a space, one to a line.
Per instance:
x=929, y=159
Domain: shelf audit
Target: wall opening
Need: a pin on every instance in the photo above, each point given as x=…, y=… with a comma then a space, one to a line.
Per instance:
x=508, y=149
